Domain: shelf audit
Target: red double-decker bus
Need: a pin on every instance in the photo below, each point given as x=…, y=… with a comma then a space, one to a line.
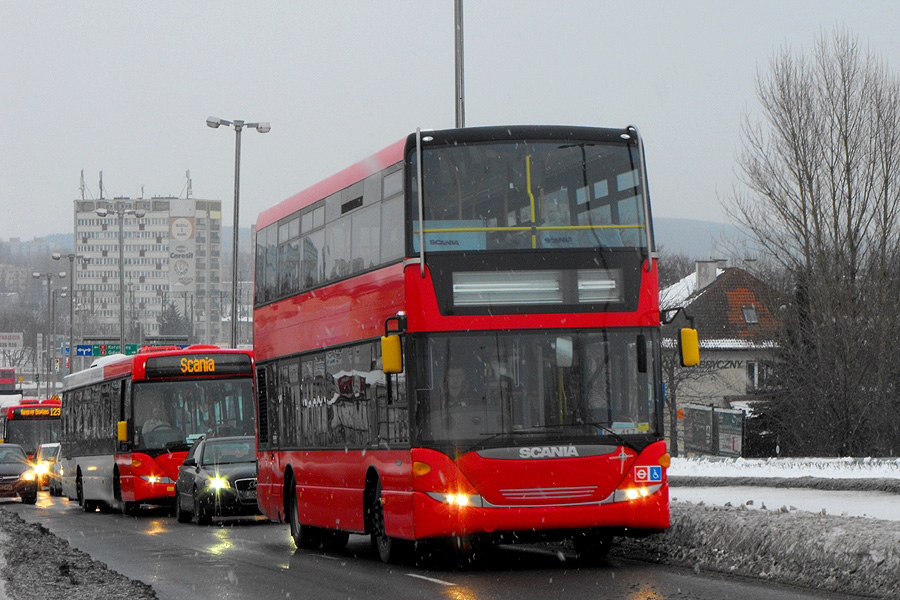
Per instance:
x=30, y=423
x=458, y=338
x=128, y=421
x=7, y=381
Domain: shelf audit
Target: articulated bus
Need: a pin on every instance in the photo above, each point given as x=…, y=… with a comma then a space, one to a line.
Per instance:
x=30, y=423
x=128, y=421
x=458, y=339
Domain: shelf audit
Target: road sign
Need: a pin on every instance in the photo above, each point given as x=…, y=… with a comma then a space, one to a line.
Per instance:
x=84, y=350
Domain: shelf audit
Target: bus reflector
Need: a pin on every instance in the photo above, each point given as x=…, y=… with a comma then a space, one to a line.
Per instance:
x=420, y=468
x=391, y=356
x=122, y=431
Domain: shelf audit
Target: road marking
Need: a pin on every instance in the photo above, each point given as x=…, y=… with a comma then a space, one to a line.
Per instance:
x=432, y=580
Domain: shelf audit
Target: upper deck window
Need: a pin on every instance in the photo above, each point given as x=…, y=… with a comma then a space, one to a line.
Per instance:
x=523, y=195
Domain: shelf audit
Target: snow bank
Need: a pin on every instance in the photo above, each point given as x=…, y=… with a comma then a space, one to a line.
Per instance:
x=829, y=468
x=852, y=556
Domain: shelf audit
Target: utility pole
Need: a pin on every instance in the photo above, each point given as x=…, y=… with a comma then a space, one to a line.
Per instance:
x=460, y=92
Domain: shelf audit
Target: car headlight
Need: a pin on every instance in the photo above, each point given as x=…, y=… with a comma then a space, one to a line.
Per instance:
x=28, y=475
x=218, y=483
x=42, y=468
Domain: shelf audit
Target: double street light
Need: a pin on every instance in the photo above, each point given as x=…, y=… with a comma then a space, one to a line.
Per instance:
x=261, y=127
x=49, y=277
x=72, y=258
x=120, y=211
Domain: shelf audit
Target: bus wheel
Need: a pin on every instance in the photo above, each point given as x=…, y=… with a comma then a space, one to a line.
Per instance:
x=86, y=504
x=128, y=508
x=390, y=550
x=305, y=536
x=335, y=541
x=592, y=545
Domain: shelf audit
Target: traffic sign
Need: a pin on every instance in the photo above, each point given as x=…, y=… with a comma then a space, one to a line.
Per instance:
x=84, y=350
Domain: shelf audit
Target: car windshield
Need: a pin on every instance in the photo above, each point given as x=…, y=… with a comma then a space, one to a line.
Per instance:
x=47, y=452
x=226, y=452
x=10, y=456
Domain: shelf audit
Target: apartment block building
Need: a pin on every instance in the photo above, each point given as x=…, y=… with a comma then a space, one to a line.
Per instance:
x=172, y=255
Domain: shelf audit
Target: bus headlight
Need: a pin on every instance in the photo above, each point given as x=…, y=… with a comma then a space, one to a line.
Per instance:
x=156, y=479
x=635, y=493
x=458, y=500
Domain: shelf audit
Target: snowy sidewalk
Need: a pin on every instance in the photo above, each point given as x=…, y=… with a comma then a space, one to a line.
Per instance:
x=875, y=505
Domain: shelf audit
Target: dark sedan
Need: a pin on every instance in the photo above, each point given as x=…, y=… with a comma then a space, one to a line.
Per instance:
x=218, y=478
x=17, y=477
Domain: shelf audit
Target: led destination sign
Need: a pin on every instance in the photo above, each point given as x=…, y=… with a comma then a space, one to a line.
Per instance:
x=198, y=365
x=36, y=412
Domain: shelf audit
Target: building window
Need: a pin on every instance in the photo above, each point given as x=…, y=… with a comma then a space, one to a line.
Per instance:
x=750, y=315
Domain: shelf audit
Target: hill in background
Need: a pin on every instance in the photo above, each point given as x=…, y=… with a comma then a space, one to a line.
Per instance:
x=696, y=239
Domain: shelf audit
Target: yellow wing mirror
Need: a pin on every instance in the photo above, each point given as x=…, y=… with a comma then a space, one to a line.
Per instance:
x=689, y=347
x=391, y=348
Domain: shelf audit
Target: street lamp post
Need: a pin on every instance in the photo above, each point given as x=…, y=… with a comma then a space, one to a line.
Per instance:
x=261, y=127
x=49, y=277
x=72, y=257
x=57, y=293
x=120, y=211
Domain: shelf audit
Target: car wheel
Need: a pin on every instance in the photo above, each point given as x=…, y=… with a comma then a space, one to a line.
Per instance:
x=305, y=536
x=201, y=510
x=29, y=498
x=181, y=515
x=389, y=549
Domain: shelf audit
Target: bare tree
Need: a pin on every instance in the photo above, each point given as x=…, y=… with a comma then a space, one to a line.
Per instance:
x=820, y=196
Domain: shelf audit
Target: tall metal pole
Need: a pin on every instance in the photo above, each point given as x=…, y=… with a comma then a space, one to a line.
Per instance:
x=238, y=125
x=121, y=213
x=71, y=358
x=460, y=92
x=49, y=335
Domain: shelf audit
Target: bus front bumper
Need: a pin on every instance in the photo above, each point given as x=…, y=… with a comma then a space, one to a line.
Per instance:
x=437, y=518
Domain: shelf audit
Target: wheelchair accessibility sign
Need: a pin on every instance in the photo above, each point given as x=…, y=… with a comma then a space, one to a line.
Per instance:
x=648, y=474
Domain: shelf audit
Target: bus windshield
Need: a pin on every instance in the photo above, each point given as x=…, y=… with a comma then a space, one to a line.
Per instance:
x=30, y=433
x=573, y=386
x=529, y=195
x=169, y=414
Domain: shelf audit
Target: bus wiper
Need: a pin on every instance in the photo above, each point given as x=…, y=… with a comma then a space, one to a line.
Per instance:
x=609, y=431
x=492, y=436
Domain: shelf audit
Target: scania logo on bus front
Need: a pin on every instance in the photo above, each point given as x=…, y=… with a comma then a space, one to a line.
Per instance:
x=548, y=452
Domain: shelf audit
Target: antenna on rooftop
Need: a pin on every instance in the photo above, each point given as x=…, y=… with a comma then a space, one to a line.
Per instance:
x=189, y=190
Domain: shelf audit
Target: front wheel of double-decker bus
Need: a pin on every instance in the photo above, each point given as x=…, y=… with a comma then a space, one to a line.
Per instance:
x=305, y=536
x=390, y=550
x=592, y=545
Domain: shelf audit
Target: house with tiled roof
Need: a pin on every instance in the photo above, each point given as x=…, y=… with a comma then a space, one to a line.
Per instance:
x=735, y=317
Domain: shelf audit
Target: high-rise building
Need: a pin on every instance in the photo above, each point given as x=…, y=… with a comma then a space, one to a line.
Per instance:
x=172, y=256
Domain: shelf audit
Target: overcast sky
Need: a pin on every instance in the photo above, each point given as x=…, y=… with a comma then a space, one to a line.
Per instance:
x=125, y=88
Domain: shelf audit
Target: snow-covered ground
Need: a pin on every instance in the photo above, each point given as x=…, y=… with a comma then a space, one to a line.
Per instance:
x=850, y=503
x=829, y=468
